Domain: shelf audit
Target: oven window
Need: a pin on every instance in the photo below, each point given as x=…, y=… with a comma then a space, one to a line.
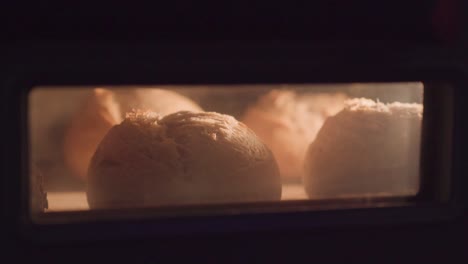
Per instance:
x=158, y=147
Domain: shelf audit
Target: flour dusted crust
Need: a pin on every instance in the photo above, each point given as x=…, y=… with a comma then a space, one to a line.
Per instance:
x=287, y=122
x=106, y=108
x=182, y=158
x=369, y=148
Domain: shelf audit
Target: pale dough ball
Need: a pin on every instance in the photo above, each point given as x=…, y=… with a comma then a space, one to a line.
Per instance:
x=104, y=109
x=288, y=122
x=368, y=149
x=182, y=158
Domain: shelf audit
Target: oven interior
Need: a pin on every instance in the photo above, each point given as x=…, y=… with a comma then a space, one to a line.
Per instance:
x=175, y=150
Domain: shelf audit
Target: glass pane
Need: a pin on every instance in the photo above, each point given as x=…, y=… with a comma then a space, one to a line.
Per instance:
x=162, y=146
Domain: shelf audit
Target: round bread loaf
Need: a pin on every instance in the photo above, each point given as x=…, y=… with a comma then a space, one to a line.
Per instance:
x=182, y=158
x=288, y=123
x=368, y=149
x=104, y=109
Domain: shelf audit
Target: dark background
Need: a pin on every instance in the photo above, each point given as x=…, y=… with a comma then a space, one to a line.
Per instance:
x=439, y=25
x=238, y=21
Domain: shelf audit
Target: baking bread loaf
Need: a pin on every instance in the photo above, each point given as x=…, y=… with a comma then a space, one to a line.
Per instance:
x=161, y=101
x=288, y=122
x=104, y=109
x=368, y=149
x=182, y=158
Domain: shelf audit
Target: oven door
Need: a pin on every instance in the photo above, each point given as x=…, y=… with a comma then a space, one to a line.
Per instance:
x=419, y=223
